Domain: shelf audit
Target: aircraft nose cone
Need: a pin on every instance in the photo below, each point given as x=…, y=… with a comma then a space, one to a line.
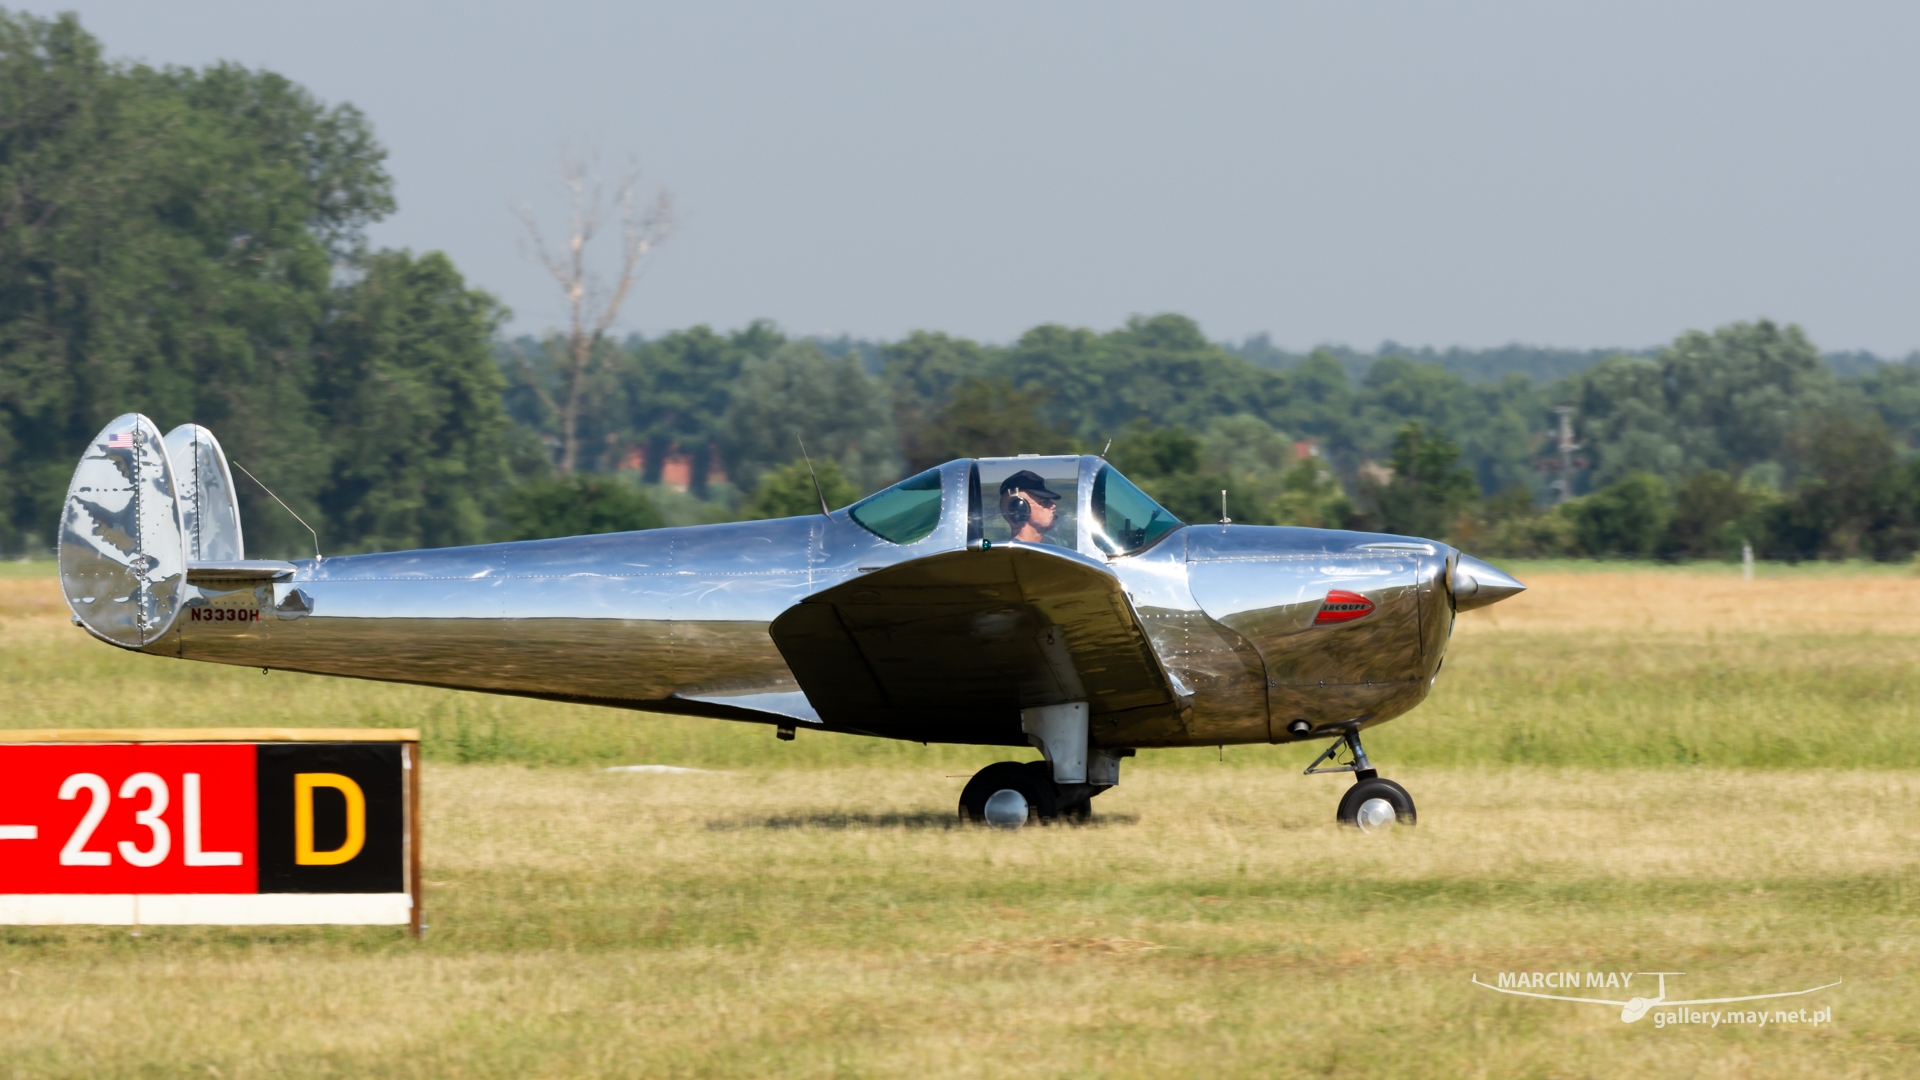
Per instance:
x=1476, y=584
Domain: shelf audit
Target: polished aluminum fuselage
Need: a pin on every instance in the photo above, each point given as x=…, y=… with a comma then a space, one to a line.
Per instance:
x=677, y=620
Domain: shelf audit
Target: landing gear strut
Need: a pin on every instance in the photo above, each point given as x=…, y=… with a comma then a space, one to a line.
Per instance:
x=1372, y=804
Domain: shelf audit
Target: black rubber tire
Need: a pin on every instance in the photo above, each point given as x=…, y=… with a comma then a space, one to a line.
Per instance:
x=1377, y=787
x=1033, y=785
x=1075, y=809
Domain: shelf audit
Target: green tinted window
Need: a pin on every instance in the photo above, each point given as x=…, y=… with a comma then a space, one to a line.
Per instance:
x=905, y=512
x=1124, y=519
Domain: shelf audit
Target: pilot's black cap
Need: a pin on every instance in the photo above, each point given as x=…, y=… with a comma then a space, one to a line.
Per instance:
x=1028, y=481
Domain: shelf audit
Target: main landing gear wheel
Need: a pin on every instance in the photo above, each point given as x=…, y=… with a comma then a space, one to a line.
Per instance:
x=1376, y=805
x=1008, y=794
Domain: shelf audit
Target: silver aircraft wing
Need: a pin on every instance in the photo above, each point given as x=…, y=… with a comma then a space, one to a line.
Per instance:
x=952, y=646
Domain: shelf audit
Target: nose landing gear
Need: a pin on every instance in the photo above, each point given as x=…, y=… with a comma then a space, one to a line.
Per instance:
x=1372, y=804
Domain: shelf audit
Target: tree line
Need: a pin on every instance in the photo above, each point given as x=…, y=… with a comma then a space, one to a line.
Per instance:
x=191, y=244
x=1739, y=436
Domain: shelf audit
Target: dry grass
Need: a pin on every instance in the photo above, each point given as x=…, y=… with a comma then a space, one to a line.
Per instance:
x=1693, y=603
x=816, y=910
x=1217, y=924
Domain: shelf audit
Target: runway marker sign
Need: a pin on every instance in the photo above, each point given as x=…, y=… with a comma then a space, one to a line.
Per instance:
x=210, y=826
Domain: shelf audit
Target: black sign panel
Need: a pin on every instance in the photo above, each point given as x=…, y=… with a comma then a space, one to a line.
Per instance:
x=332, y=817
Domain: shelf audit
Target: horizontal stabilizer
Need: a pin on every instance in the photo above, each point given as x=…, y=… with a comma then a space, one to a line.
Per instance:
x=238, y=573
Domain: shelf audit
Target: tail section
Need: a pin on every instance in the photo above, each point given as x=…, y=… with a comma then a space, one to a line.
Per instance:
x=123, y=555
x=209, y=507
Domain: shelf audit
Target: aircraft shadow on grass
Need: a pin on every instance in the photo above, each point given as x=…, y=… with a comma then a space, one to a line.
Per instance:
x=925, y=819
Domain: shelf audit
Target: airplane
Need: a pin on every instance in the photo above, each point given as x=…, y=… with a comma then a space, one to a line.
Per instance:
x=1030, y=601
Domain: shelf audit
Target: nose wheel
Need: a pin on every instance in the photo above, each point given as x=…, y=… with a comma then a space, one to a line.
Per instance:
x=1373, y=804
x=1376, y=805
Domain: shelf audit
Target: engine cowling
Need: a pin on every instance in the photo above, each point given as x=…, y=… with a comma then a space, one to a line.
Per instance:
x=1351, y=626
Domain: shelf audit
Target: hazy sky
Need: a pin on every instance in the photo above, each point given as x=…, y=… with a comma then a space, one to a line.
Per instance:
x=1442, y=174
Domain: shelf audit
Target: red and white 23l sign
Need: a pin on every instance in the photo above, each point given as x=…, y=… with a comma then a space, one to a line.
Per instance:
x=129, y=818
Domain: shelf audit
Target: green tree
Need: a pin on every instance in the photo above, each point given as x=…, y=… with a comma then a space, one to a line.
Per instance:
x=1737, y=393
x=1511, y=524
x=1242, y=456
x=1157, y=371
x=983, y=418
x=1847, y=501
x=1623, y=419
x=1146, y=454
x=167, y=240
x=1627, y=517
x=1724, y=400
x=1167, y=464
x=799, y=391
x=1713, y=514
x=1893, y=390
x=1245, y=445
x=789, y=492
x=577, y=505
x=1310, y=495
x=928, y=375
x=410, y=399
x=1319, y=401
x=1428, y=491
x=924, y=368
x=673, y=393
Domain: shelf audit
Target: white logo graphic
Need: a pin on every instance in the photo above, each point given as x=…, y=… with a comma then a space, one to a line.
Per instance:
x=1631, y=1009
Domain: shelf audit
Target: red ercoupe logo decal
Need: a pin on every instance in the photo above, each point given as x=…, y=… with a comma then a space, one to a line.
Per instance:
x=1342, y=606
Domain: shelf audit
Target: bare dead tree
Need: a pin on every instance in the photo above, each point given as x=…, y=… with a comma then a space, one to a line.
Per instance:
x=592, y=306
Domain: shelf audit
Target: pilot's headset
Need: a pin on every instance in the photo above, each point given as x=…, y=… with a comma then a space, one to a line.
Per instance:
x=1018, y=511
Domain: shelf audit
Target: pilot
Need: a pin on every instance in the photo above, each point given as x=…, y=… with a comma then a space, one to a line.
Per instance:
x=1028, y=507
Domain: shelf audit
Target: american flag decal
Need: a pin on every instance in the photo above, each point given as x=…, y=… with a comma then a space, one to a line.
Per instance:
x=121, y=441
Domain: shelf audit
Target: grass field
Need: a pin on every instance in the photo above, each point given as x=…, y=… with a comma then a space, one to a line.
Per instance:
x=1626, y=769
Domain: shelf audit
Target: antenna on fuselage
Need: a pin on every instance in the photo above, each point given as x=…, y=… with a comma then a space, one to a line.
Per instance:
x=303, y=521
x=1224, y=519
x=816, y=476
x=1104, y=449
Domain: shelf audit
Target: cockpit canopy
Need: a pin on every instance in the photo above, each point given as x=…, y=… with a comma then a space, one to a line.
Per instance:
x=1081, y=503
x=905, y=513
x=1125, y=519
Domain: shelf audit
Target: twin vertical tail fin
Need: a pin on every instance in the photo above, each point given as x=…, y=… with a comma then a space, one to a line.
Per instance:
x=123, y=558
x=139, y=509
x=209, y=510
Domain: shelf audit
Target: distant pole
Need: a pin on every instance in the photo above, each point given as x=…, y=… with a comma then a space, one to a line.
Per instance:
x=1563, y=484
x=1746, y=560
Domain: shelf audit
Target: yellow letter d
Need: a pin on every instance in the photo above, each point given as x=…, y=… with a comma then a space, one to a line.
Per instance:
x=303, y=785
